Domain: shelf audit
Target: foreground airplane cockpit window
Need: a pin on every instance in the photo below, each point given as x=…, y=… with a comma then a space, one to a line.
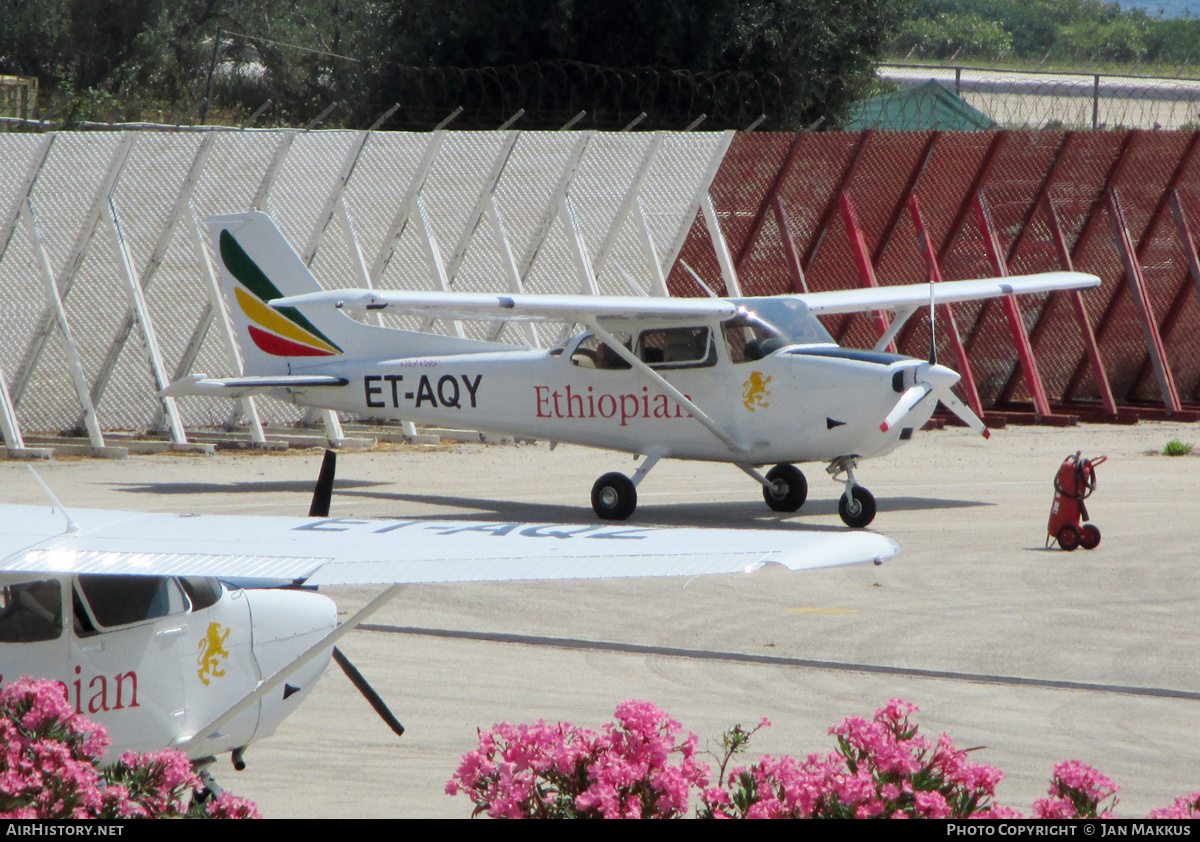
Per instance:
x=31, y=611
x=764, y=325
x=104, y=602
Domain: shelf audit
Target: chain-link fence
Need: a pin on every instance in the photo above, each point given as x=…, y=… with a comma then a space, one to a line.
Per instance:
x=1020, y=99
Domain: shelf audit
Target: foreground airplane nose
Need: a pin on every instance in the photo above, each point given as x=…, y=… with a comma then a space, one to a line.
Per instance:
x=285, y=623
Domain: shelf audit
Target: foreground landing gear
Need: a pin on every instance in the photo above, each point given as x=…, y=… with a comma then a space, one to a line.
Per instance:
x=614, y=496
x=857, y=505
x=787, y=489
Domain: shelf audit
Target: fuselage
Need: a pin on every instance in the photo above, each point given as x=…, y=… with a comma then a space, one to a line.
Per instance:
x=799, y=403
x=154, y=658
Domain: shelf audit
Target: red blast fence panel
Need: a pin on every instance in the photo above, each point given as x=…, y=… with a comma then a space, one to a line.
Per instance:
x=802, y=212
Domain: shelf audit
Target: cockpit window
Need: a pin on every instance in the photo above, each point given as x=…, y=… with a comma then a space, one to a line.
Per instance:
x=121, y=600
x=31, y=611
x=764, y=325
x=676, y=347
x=592, y=353
x=203, y=591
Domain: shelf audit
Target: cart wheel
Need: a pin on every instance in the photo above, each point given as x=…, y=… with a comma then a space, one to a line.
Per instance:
x=1068, y=538
x=1089, y=537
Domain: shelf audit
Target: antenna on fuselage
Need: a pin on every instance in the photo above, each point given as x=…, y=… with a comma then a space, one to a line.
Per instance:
x=72, y=526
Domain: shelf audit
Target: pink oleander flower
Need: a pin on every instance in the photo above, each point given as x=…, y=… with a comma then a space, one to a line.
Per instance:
x=48, y=765
x=639, y=767
x=1077, y=791
x=228, y=806
x=636, y=768
x=1185, y=807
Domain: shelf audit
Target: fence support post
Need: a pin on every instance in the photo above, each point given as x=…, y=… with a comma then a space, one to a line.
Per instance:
x=1012, y=311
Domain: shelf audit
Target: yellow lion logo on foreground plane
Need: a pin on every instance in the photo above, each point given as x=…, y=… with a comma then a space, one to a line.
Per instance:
x=212, y=649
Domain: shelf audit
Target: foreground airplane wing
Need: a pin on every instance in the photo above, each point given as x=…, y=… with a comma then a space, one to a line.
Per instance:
x=339, y=551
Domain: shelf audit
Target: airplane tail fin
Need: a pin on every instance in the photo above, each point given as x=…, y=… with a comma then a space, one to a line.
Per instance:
x=256, y=265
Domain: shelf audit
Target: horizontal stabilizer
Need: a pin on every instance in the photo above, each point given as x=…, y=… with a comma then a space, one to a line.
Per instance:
x=235, y=387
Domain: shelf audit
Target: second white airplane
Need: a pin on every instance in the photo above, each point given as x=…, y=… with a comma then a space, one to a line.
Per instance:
x=752, y=381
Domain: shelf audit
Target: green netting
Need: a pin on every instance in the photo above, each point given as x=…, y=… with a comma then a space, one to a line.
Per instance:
x=925, y=107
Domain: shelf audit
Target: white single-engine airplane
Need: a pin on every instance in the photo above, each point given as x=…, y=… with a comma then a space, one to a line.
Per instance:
x=135, y=616
x=751, y=381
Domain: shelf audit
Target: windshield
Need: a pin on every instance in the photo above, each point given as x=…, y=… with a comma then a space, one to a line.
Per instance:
x=764, y=325
x=785, y=317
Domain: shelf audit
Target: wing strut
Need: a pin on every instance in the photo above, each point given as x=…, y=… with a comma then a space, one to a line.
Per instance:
x=680, y=398
x=269, y=684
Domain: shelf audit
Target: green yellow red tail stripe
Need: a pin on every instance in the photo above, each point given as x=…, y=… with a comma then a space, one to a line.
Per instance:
x=282, y=333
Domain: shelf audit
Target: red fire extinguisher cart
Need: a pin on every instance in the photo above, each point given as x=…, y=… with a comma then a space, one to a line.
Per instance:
x=1074, y=483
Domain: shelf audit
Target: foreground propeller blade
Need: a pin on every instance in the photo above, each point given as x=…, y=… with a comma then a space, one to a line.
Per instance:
x=323, y=491
x=356, y=678
x=911, y=397
x=963, y=411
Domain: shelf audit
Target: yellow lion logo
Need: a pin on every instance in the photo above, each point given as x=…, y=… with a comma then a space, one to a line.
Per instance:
x=212, y=649
x=755, y=392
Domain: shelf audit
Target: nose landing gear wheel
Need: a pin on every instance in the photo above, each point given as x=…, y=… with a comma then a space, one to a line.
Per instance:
x=614, y=497
x=789, y=488
x=859, y=511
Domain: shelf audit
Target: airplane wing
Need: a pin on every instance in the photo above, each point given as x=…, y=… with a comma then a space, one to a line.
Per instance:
x=911, y=296
x=582, y=308
x=488, y=306
x=341, y=551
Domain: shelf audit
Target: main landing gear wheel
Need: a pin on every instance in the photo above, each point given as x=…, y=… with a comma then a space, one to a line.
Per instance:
x=1069, y=537
x=858, y=511
x=614, y=496
x=789, y=488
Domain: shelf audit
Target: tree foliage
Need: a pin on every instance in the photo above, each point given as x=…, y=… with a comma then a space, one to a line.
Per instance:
x=1088, y=32
x=732, y=59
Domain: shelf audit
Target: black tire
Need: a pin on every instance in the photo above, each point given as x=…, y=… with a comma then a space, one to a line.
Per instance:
x=790, y=491
x=1089, y=537
x=1068, y=538
x=863, y=508
x=614, y=497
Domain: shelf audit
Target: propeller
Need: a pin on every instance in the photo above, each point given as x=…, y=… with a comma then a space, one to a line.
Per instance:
x=938, y=380
x=322, y=494
x=931, y=377
x=323, y=490
x=356, y=678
